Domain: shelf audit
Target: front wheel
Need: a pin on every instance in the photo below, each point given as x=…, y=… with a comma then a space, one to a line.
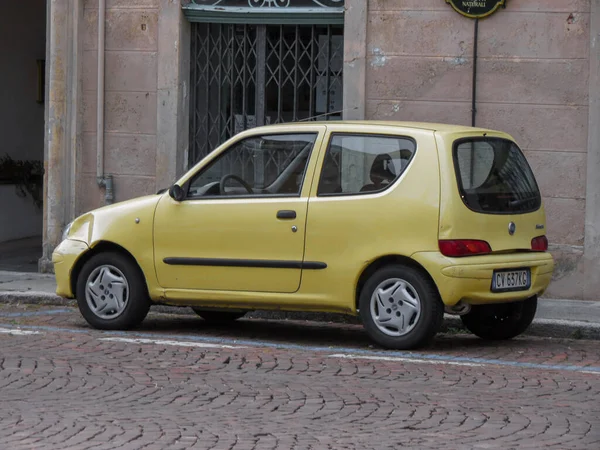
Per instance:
x=400, y=308
x=111, y=292
x=502, y=321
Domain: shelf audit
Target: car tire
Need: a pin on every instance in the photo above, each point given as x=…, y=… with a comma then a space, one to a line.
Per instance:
x=111, y=292
x=400, y=308
x=501, y=321
x=219, y=316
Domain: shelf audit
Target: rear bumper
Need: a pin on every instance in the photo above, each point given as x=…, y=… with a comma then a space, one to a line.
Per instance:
x=64, y=258
x=470, y=279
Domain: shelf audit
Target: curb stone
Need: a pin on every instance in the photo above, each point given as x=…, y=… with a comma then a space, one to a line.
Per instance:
x=34, y=298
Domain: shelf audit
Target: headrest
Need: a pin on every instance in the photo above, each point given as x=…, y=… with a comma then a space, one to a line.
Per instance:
x=382, y=169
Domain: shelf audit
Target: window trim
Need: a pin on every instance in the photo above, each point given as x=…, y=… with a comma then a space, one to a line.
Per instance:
x=461, y=190
x=364, y=134
x=188, y=183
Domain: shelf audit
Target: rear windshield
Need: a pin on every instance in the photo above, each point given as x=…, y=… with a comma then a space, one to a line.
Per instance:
x=494, y=176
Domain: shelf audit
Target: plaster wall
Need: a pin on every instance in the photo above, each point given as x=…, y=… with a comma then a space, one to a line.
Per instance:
x=533, y=82
x=22, y=43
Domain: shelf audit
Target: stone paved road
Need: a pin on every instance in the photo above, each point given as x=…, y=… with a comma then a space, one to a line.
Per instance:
x=179, y=383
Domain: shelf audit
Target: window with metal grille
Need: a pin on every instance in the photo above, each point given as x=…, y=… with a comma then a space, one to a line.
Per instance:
x=247, y=75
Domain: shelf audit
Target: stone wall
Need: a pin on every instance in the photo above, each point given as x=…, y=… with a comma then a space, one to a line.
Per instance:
x=412, y=61
x=533, y=69
x=131, y=81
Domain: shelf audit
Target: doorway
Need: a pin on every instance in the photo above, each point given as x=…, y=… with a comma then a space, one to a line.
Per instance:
x=22, y=80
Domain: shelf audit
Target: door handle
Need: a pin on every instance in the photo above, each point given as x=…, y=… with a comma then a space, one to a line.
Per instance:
x=286, y=214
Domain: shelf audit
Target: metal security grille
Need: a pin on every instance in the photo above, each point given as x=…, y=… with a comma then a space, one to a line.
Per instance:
x=249, y=75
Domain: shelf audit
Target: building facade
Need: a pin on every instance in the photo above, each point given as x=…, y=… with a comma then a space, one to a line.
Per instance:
x=138, y=90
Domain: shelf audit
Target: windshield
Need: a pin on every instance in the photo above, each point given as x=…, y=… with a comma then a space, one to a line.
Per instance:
x=494, y=177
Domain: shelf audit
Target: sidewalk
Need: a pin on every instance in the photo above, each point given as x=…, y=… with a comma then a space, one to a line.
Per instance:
x=554, y=318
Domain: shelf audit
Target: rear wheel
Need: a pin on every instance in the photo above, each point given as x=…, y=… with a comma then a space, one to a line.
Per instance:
x=502, y=321
x=219, y=316
x=111, y=292
x=400, y=308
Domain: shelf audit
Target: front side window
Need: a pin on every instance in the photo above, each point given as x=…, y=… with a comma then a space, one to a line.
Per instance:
x=257, y=166
x=494, y=177
x=361, y=164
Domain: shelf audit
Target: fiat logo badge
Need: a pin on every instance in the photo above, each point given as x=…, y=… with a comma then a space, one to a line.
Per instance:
x=512, y=228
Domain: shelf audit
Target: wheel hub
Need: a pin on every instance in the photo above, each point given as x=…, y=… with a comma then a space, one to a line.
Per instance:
x=107, y=292
x=395, y=307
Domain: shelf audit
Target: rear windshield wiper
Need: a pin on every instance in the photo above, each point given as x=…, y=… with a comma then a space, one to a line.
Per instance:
x=522, y=201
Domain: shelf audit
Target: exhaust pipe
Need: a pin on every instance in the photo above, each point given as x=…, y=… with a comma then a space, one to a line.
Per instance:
x=460, y=309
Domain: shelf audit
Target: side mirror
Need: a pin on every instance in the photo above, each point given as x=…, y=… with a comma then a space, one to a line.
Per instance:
x=176, y=193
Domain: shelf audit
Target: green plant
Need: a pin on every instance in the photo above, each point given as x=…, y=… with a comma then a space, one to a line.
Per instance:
x=26, y=175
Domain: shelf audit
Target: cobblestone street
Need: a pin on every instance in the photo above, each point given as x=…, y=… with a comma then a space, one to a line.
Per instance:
x=179, y=383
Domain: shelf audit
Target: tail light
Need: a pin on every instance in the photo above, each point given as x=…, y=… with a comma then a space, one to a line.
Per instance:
x=539, y=244
x=464, y=247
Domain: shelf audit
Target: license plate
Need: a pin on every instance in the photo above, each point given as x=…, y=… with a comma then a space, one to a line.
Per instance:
x=511, y=280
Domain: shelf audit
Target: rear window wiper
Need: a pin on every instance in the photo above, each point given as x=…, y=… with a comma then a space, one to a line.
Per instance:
x=522, y=201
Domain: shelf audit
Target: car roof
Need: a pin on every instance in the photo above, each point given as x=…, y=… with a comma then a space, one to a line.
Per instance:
x=430, y=126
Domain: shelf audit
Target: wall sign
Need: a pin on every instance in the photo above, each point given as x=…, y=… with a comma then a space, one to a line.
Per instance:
x=476, y=9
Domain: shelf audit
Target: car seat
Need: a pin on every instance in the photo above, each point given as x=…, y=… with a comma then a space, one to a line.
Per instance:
x=382, y=173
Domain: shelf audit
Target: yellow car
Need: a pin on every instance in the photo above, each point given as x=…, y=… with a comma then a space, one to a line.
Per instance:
x=394, y=222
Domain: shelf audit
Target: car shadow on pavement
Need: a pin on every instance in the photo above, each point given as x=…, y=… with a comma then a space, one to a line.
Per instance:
x=285, y=331
x=313, y=334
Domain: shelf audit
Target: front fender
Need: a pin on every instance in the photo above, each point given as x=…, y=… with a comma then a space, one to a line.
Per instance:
x=127, y=224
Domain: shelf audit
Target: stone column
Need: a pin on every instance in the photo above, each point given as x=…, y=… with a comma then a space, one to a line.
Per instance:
x=172, y=136
x=62, y=120
x=592, y=203
x=355, y=59
x=354, y=79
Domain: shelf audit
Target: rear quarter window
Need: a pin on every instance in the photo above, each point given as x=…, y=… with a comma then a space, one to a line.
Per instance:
x=363, y=164
x=494, y=177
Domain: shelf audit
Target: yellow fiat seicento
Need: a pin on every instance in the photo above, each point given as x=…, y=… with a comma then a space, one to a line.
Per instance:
x=394, y=222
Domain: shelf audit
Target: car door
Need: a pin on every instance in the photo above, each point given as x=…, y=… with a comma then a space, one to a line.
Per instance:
x=241, y=226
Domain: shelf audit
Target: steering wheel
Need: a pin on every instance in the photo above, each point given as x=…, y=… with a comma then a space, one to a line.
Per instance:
x=231, y=176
